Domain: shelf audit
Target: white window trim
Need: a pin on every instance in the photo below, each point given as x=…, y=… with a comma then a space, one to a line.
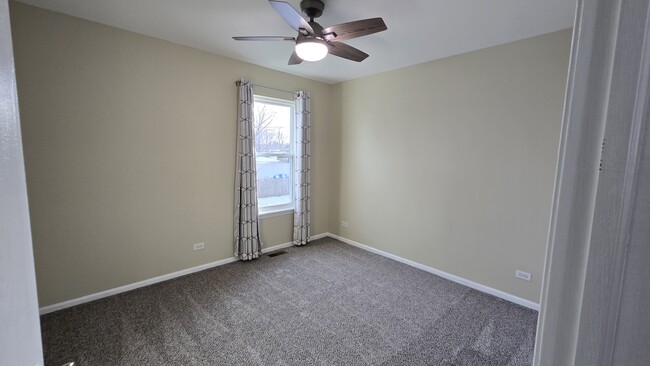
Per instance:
x=275, y=212
x=286, y=209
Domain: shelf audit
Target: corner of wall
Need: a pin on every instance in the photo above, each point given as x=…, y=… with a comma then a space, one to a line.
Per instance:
x=336, y=157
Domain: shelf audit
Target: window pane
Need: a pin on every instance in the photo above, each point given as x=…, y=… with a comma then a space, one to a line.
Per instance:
x=272, y=125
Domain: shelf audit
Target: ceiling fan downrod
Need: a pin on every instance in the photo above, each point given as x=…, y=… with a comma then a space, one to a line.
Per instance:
x=312, y=8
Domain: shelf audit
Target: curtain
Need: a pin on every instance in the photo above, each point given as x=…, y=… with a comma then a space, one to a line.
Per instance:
x=247, y=241
x=301, y=220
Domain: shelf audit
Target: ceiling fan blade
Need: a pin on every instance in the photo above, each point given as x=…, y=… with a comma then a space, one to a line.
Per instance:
x=294, y=59
x=291, y=16
x=355, y=29
x=341, y=49
x=264, y=38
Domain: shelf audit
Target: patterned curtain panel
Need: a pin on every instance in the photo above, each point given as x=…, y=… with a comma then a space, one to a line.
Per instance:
x=301, y=221
x=247, y=240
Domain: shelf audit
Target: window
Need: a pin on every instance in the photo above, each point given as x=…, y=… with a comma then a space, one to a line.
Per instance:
x=273, y=122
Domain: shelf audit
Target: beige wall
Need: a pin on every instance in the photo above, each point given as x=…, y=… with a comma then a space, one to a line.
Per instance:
x=451, y=163
x=129, y=147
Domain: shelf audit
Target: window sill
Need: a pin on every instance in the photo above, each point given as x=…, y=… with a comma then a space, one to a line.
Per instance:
x=271, y=213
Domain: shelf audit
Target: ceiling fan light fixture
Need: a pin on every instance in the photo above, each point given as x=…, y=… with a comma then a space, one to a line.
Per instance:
x=311, y=49
x=314, y=42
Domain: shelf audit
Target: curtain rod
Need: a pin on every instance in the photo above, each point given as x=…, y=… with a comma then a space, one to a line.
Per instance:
x=267, y=87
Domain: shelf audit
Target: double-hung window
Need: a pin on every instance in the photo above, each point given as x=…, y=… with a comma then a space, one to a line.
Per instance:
x=273, y=124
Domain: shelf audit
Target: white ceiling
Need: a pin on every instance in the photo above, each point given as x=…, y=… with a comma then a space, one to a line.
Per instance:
x=418, y=30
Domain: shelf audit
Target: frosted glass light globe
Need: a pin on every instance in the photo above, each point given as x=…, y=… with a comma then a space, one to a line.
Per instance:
x=311, y=49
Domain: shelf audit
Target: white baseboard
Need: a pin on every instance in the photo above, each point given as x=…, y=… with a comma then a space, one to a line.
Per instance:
x=169, y=276
x=477, y=286
x=151, y=281
x=319, y=236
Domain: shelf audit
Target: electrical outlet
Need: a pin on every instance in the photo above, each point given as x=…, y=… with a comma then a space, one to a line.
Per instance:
x=344, y=223
x=523, y=275
x=199, y=246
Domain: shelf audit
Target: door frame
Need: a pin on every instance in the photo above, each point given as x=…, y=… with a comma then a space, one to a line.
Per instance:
x=20, y=336
x=595, y=189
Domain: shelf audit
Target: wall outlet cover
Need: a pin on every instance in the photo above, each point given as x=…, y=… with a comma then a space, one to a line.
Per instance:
x=199, y=246
x=523, y=275
x=344, y=223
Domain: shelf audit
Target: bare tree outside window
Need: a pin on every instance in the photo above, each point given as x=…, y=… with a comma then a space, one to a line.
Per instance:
x=270, y=134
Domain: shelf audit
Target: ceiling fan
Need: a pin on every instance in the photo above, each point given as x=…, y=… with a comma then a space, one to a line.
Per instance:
x=314, y=42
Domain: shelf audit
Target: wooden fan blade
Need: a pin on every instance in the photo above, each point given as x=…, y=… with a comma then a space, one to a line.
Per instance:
x=355, y=29
x=291, y=16
x=341, y=49
x=264, y=38
x=294, y=59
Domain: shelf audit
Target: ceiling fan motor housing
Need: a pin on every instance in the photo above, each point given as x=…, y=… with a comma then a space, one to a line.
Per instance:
x=312, y=8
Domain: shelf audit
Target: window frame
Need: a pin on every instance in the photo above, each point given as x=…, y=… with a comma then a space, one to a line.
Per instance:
x=288, y=208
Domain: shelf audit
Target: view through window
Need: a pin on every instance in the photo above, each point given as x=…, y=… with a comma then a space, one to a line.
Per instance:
x=273, y=127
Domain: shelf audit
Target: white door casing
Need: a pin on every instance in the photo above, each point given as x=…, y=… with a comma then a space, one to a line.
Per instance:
x=588, y=275
x=20, y=337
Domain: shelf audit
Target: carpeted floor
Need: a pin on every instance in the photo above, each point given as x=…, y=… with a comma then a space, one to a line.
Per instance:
x=327, y=303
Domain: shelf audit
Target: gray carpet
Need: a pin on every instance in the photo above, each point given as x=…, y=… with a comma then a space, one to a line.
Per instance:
x=327, y=303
